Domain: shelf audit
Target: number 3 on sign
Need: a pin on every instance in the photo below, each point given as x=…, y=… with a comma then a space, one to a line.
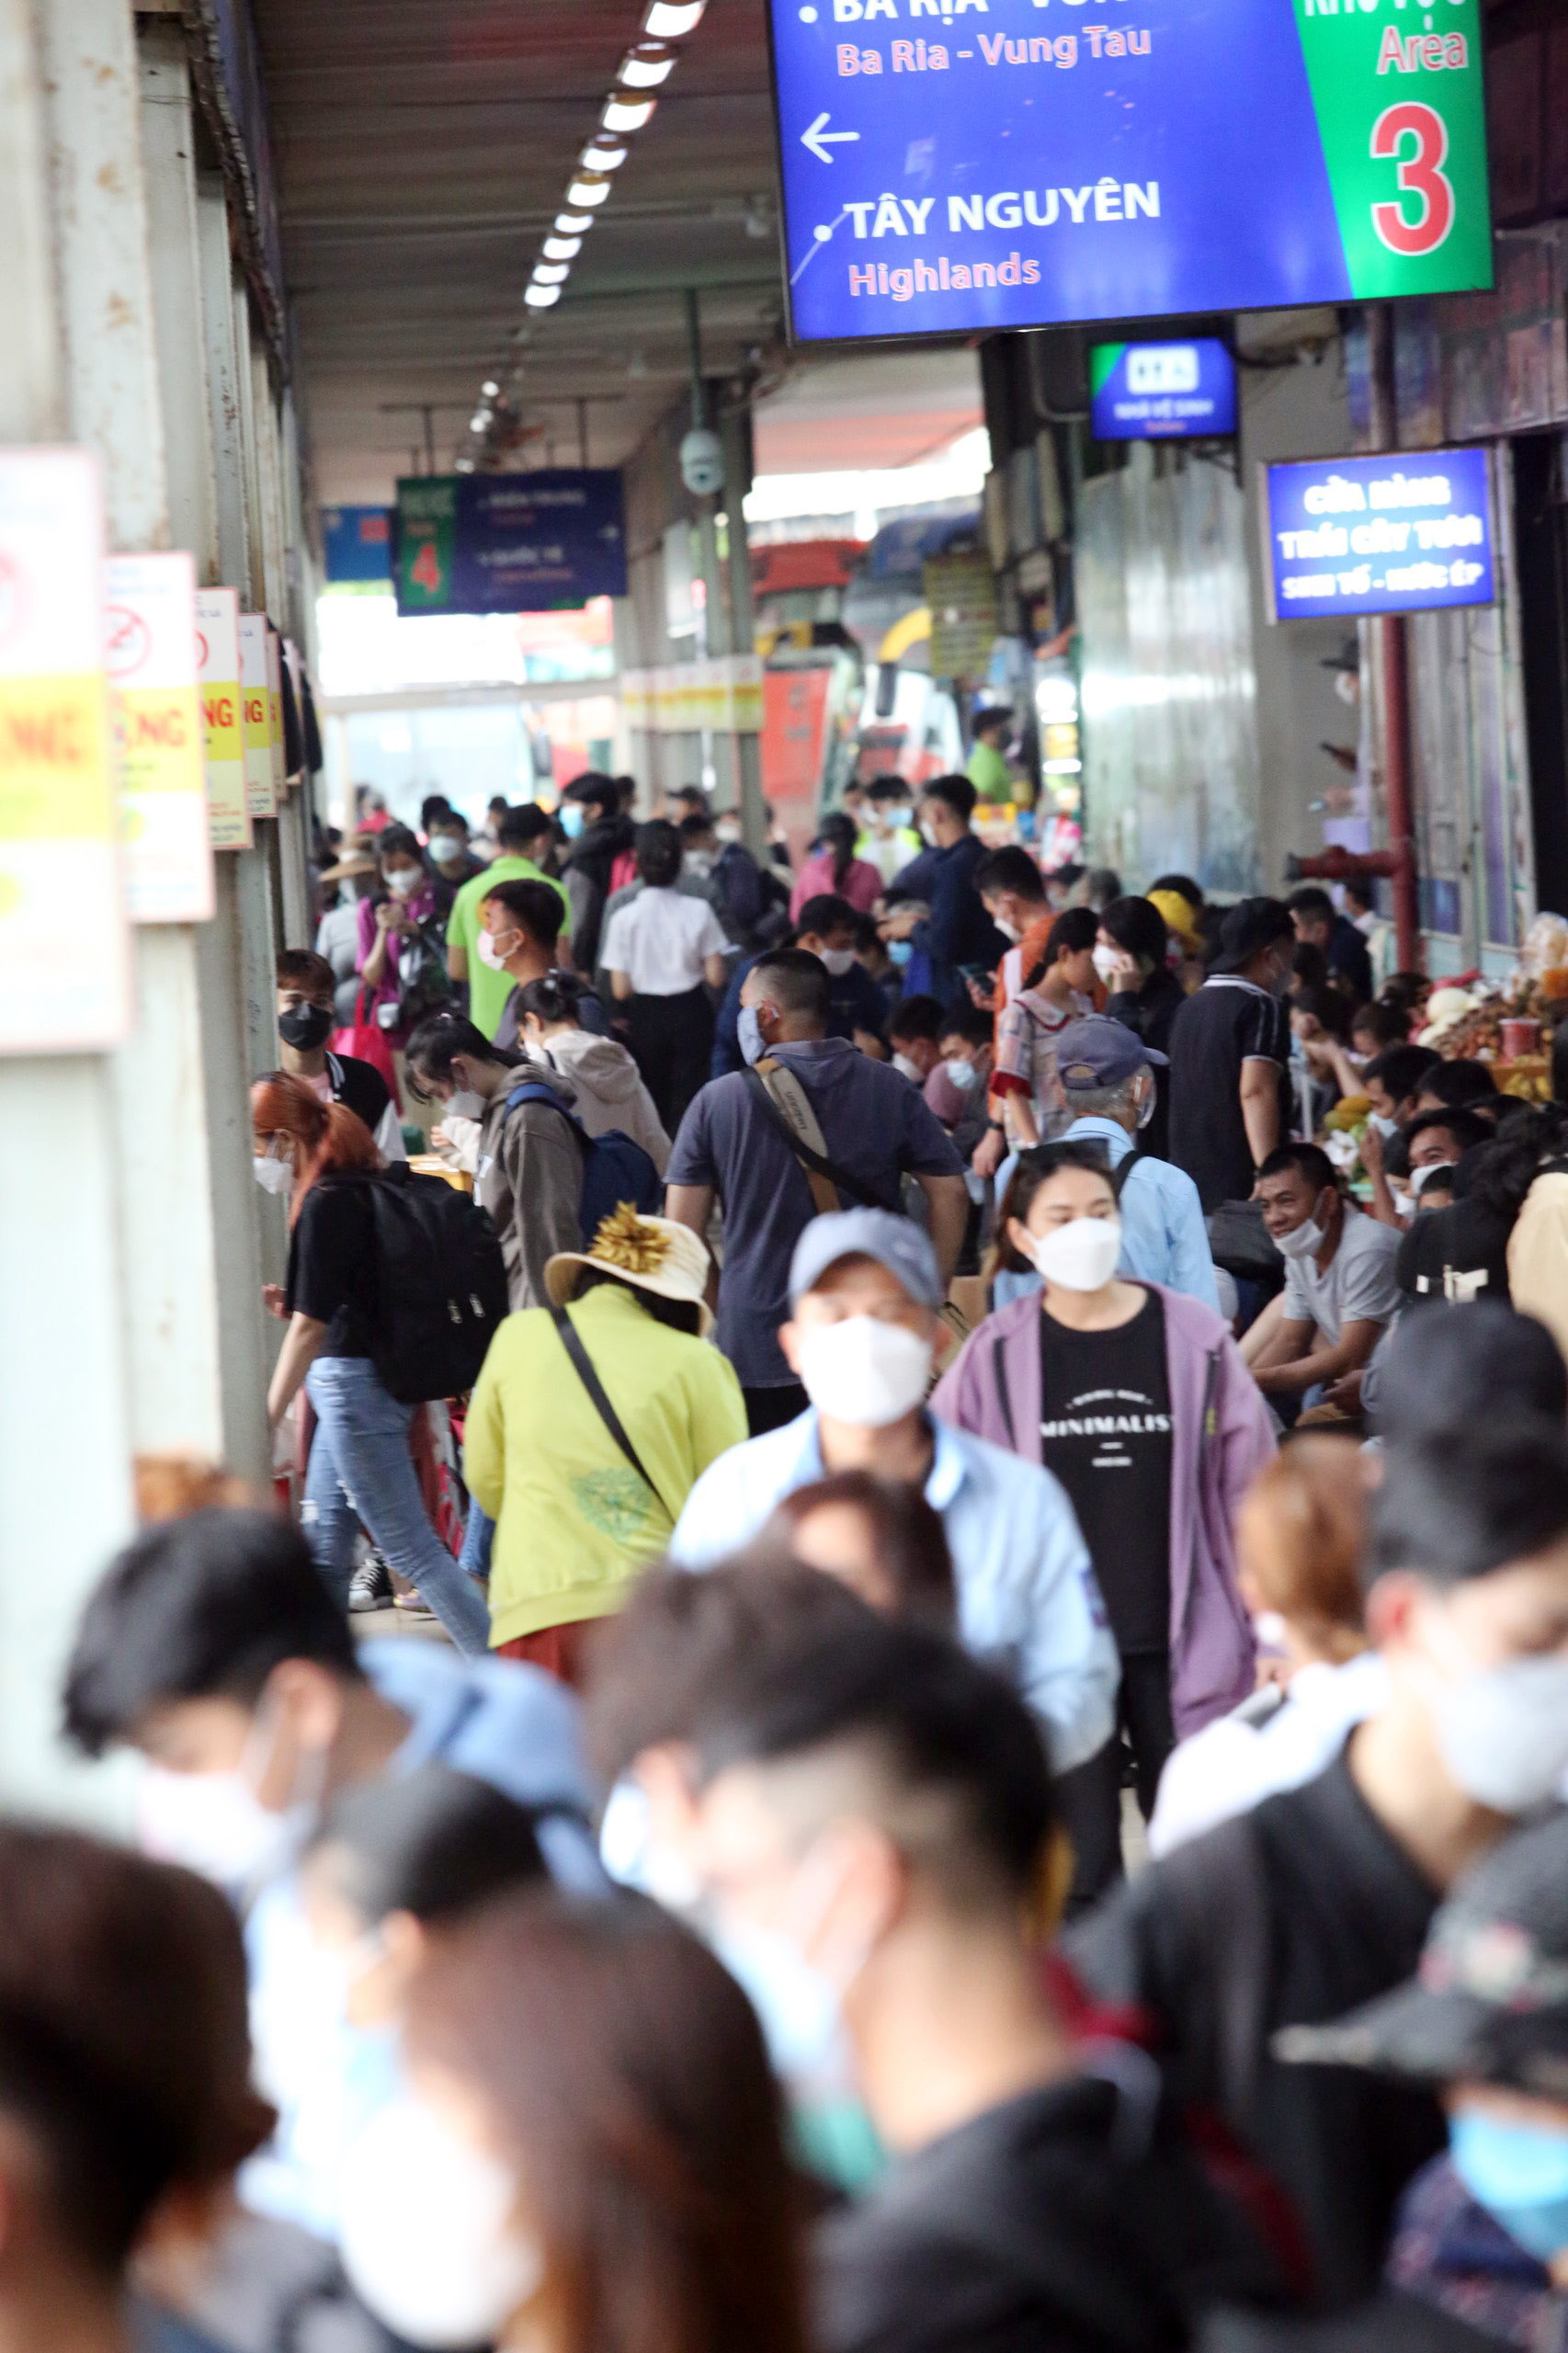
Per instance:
x=425, y=571
x=1419, y=174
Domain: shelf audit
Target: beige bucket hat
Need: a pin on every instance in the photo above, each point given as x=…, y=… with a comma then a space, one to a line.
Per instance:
x=654, y=1254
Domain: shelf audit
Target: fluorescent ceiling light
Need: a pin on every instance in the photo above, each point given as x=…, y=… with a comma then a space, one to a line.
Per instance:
x=604, y=155
x=539, y=297
x=562, y=248
x=672, y=19
x=623, y=112
x=644, y=67
x=587, y=191
x=490, y=388
x=547, y=273
x=571, y=224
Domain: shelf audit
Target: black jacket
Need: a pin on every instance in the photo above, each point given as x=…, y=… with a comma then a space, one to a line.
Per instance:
x=1291, y=1915
x=1151, y=1011
x=586, y=872
x=1393, y=2323
x=1065, y=2222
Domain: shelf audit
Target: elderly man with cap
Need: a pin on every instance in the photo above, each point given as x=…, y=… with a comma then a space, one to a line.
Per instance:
x=1230, y=1056
x=864, y=1296
x=1107, y=1075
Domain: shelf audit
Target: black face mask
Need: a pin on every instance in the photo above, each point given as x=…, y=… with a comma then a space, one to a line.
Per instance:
x=305, y=1026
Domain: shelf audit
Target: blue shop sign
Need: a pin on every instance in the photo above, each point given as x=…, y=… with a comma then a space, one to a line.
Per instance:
x=1158, y=392
x=357, y=543
x=1406, y=533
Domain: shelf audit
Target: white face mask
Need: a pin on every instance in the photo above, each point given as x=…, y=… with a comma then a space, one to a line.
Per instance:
x=897, y=819
x=1081, y=1255
x=864, y=1371
x=727, y=831
x=273, y=1176
x=446, y=847
x=215, y=1823
x=961, y=1073
x=464, y=1103
x=699, y=863
x=837, y=959
x=1384, y=1125
x=1504, y=1731
x=403, y=882
x=1108, y=962
x=928, y=834
x=911, y=1071
x=489, y=954
x=467, y=2268
x=1007, y=929
x=1303, y=1241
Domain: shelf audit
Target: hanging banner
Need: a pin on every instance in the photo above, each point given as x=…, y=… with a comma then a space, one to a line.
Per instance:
x=218, y=675
x=275, y=714
x=150, y=655
x=951, y=167
x=357, y=542
x=256, y=720
x=1401, y=534
x=510, y=544
x=64, y=943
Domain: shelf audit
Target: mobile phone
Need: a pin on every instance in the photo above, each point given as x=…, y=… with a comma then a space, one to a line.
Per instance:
x=978, y=973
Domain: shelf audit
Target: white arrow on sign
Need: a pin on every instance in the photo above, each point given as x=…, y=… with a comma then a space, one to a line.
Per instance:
x=819, y=139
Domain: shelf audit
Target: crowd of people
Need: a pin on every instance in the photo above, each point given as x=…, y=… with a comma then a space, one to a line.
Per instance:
x=984, y=1461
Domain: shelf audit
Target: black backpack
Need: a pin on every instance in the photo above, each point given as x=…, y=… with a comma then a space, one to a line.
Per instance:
x=441, y=1284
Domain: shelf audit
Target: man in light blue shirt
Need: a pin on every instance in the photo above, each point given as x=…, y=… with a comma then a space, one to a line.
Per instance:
x=864, y=1291
x=1107, y=1077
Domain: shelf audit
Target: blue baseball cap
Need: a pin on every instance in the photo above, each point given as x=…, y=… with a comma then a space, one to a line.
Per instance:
x=895, y=1243
x=1096, y=1052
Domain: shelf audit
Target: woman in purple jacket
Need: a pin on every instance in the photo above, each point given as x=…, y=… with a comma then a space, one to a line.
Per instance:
x=1137, y=1398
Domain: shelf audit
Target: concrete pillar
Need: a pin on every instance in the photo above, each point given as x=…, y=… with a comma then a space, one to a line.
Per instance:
x=64, y=1439
x=735, y=432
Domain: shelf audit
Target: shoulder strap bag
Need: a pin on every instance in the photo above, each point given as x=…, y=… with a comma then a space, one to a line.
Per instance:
x=572, y=1341
x=785, y=1105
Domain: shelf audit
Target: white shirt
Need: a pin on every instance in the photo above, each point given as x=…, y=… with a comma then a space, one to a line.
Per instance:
x=1233, y=1764
x=660, y=941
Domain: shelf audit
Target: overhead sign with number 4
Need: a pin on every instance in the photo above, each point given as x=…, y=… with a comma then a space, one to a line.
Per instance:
x=951, y=165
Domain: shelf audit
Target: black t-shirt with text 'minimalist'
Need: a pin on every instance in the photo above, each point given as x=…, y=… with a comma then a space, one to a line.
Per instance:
x=1106, y=1432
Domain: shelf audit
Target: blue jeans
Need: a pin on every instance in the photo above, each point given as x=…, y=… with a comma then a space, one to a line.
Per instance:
x=478, y=1538
x=360, y=1469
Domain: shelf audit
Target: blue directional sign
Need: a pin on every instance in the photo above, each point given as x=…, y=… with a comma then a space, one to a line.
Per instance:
x=1401, y=534
x=1158, y=392
x=510, y=544
x=950, y=166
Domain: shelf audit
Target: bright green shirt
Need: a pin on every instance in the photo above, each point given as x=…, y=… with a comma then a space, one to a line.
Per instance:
x=575, y=1524
x=989, y=773
x=488, y=990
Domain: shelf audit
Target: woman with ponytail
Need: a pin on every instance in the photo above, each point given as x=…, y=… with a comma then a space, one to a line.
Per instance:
x=360, y=1467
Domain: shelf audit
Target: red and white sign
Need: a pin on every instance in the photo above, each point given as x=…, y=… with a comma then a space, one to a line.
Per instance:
x=64, y=942
x=150, y=655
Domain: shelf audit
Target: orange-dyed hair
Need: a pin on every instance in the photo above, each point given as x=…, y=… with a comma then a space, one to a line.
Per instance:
x=327, y=1135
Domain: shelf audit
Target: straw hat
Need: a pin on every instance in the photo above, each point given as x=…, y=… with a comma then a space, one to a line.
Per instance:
x=654, y=1254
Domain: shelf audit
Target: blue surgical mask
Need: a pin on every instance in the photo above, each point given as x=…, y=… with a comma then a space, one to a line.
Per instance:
x=1519, y=2173
x=899, y=951
x=574, y=817
x=960, y=1072
x=748, y=1034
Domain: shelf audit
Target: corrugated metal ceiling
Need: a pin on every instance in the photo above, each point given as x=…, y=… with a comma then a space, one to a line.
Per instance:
x=423, y=146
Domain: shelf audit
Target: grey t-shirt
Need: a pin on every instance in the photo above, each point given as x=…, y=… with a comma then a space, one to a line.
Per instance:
x=1359, y=1287
x=875, y=1126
